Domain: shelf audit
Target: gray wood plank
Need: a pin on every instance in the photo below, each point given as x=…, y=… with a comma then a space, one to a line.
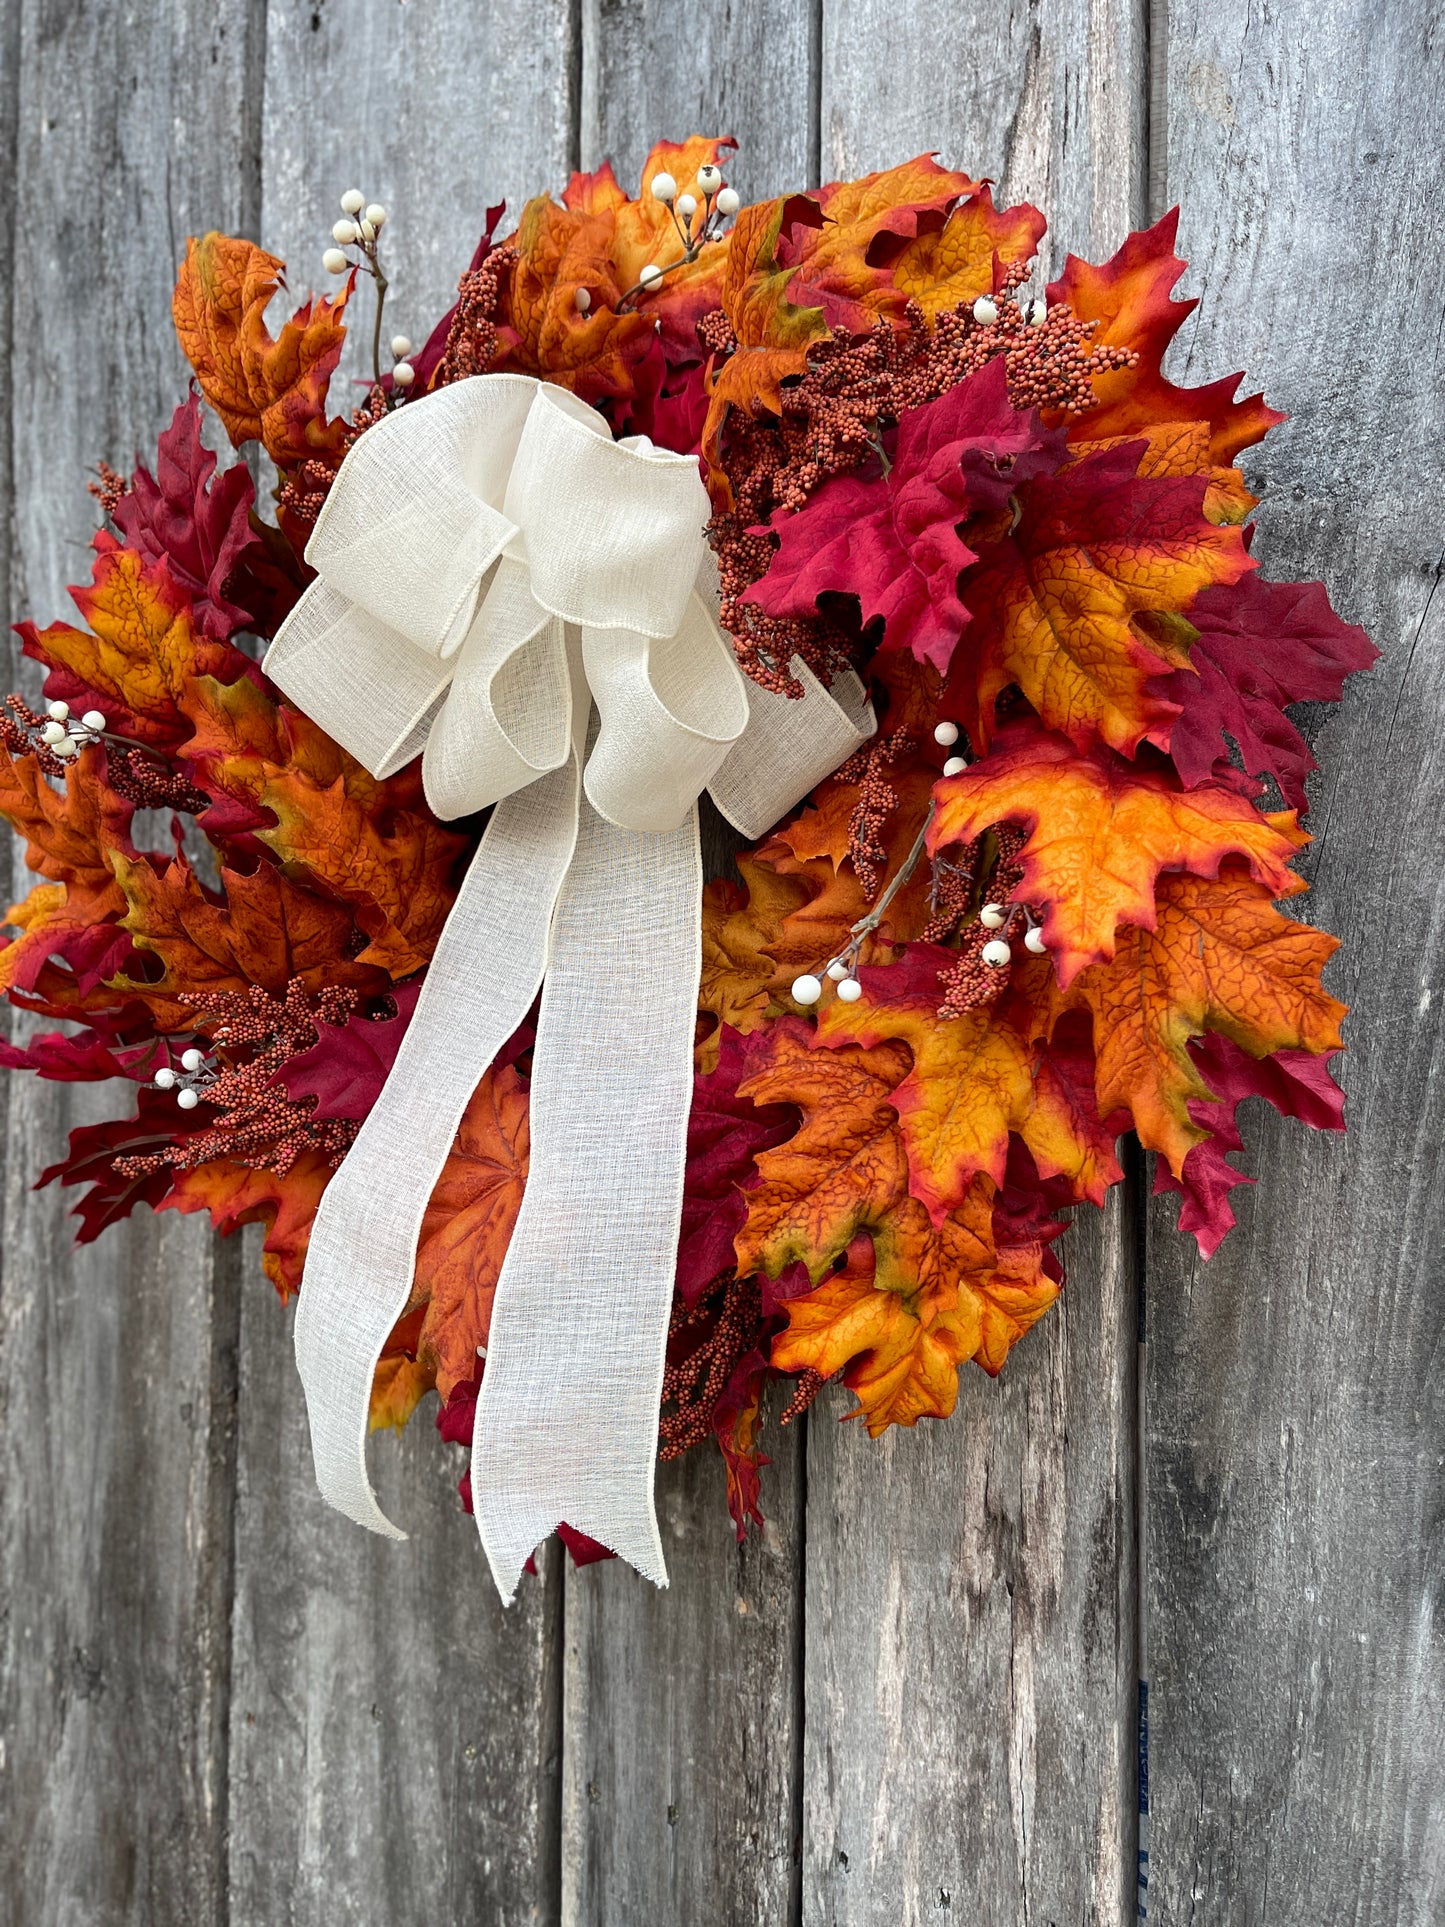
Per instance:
x=117, y=1365
x=1296, y=1493
x=395, y=1732
x=970, y=1636
x=680, y=1799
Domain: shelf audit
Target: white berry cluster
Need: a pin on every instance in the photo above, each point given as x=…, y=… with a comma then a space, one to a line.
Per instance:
x=360, y=224
x=1034, y=309
x=697, y=222
x=197, y=1072
x=67, y=735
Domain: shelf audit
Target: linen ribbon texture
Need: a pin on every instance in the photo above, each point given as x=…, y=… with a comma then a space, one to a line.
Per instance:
x=531, y=606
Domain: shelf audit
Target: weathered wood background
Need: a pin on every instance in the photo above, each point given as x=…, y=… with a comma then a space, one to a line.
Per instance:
x=914, y=1698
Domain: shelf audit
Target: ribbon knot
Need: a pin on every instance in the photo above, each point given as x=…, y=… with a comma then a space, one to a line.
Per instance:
x=531, y=607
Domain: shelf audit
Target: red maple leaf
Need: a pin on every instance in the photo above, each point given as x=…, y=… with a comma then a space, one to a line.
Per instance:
x=1297, y=1083
x=198, y=520
x=1261, y=645
x=891, y=537
x=724, y=1134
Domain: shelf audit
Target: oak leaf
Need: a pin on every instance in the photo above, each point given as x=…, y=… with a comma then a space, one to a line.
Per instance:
x=264, y=930
x=265, y=388
x=1056, y=600
x=1100, y=831
x=1221, y=958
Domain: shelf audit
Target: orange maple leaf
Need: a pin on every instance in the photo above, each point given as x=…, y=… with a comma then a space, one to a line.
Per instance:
x=235, y=1195
x=739, y=928
x=69, y=837
x=468, y=1226
x=1100, y=831
x=848, y=265
x=1219, y=957
x=1129, y=298
x=943, y=268
x=1056, y=600
x=145, y=650
x=265, y=388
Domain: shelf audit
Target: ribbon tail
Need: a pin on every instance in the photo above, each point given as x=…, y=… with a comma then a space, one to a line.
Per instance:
x=567, y=1422
x=481, y=983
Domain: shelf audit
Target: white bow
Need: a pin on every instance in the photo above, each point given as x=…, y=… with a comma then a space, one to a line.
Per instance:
x=491, y=565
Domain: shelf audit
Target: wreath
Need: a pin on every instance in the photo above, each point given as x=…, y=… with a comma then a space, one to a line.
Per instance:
x=1034, y=910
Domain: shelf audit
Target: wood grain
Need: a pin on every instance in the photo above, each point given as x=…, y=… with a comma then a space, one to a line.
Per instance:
x=117, y=1363
x=970, y=1631
x=1296, y=1397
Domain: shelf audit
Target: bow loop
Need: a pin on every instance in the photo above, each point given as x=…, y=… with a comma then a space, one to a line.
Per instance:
x=613, y=531
x=414, y=519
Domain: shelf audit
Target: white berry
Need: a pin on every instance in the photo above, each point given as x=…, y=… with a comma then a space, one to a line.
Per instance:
x=57, y=712
x=376, y=214
x=996, y=952
x=664, y=187
x=53, y=733
x=837, y=971
x=401, y=345
x=1038, y=313
x=955, y=765
x=403, y=374
x=65, y=749
x=165, y=1080
x=687, y=206
x=93, y=720
x=993, y=916
x=849, y=991
x=365, y=231
x=806, y=990
x=188, y=1100
x=985, y=311
x=651, y=275
x=709, y=178
x=584, y=301
x=353, y=201
x=1034, y=941
x=334, y=261
x=728, y=202
x=192, y=1059
x=946, y=735
x=344, y=233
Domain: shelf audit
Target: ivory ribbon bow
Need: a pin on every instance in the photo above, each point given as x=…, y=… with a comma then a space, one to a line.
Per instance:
x=491, y=565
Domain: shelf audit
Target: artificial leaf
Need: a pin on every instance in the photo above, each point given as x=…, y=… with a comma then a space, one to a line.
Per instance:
x=1056, y=599
x=951, y=266
x=725, y=1132
x=1222, y=958
x=1295, y=1083
x=1259, y=647
x=235, y=1195
x=346, y=1067
x=468, y=1226
x=1100, y=831
x=1065, y=1138
x=739, y=926
x=69, y=837
x=265, y=930
x=843, y=1170
x=562, y=253
x=892, y=539
x=265, y=388
x=111, y=1195
x=142, y=652
x=1129, y=298
x=845, y=266
x=970, y=1083
x=197, y=520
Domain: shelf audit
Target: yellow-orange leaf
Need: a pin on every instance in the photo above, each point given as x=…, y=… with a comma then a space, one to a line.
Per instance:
x=1221, y=958
x=738, y=928
x=1100, y=831
x=945, y=267
x=265, y=388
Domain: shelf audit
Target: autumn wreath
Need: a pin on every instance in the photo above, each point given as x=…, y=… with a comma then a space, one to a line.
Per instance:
x=1037, y=910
